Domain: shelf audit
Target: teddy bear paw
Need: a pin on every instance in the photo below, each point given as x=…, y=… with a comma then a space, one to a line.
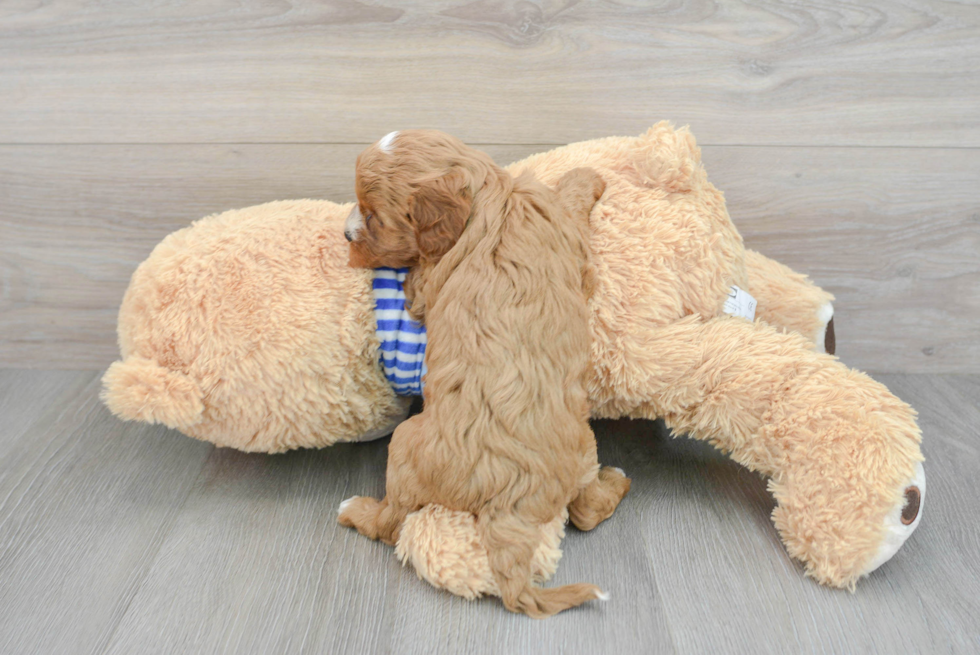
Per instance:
x=825, y=338
x=902, y=520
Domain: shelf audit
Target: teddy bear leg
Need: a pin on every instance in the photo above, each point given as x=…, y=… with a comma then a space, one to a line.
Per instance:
x=597, y=501
x=903, y=518
x=859, y=541
x=789, y=300
x=842, y=452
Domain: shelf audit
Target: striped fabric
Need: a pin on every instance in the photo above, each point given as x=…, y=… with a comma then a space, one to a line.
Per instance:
x=402, y=339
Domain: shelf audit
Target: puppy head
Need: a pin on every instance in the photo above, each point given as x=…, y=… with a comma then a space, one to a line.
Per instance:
x=414, y=195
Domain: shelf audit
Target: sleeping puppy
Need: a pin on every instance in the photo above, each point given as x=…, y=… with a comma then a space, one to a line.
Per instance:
x=498, y=266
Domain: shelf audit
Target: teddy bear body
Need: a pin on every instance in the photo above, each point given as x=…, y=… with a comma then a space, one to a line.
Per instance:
x=249, y=330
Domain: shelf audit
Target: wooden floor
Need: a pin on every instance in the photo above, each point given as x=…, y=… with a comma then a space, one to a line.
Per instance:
x=122, y=538
x=845, y=135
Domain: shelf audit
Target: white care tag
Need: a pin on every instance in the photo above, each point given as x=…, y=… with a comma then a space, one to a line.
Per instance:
x=740, y=303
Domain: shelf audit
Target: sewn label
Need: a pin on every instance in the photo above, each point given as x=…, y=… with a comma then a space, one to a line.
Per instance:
x=740, y=303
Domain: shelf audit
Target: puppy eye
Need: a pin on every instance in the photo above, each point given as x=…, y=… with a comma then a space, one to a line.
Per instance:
x=369, y=217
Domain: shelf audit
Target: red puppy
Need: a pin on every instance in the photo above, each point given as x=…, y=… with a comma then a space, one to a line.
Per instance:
x=497, y=270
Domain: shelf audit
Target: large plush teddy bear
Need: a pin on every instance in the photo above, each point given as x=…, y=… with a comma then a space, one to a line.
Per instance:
x=248, y=329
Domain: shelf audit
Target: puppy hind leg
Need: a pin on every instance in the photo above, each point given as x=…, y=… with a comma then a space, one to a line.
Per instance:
x=383, y=519
x=597, y=501
x=374, y=519
x=511, y=541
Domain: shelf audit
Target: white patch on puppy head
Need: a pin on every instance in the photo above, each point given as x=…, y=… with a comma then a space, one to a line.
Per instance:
x=387, y=142
x=353, y=224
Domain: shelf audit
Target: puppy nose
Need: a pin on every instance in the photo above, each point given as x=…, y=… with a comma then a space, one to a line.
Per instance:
x=348, y=236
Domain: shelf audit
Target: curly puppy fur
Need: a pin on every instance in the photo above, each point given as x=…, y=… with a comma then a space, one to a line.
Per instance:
x=499, y=273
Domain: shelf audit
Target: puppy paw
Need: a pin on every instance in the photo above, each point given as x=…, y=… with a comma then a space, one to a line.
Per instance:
x=344, y=504
x=599, y=499
x=343, y=512
x=584, y=179
x=598, y=186
x=358, y=512
x=614, y=478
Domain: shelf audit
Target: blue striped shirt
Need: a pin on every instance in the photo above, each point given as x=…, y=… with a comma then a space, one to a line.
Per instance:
x=402, y=339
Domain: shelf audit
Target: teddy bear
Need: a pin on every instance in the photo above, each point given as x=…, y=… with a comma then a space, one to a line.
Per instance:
x=249, y=330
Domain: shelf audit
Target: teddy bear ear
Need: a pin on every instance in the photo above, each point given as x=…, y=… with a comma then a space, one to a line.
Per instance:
x=439, y=210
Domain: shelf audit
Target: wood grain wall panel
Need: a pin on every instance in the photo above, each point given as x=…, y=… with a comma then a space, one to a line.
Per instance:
x=883, y=72
x=893, y=232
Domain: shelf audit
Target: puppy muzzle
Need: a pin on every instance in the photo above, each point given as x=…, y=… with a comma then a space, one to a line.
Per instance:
x=354, y=224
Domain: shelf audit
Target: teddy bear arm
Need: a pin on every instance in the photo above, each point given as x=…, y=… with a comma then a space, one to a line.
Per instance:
x=789, y=300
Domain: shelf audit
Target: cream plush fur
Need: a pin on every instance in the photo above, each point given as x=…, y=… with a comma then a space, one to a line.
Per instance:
x=248, y=329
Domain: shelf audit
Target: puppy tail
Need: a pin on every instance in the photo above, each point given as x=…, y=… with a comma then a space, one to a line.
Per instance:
x=510, y=542
x=139, y=389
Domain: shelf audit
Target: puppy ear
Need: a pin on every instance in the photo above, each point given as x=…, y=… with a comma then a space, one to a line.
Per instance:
x=439, y=210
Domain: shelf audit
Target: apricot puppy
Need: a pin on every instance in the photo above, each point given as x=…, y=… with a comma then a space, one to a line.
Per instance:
x=500, y=276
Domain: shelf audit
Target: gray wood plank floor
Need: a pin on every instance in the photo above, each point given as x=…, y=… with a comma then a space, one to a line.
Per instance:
x=125, y=538
x=85, y=501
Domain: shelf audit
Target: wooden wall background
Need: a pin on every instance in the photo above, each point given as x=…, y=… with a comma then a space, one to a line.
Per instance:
x=845, y=135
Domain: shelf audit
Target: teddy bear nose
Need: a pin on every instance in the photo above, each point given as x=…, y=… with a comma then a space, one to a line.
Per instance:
x=913, y=498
